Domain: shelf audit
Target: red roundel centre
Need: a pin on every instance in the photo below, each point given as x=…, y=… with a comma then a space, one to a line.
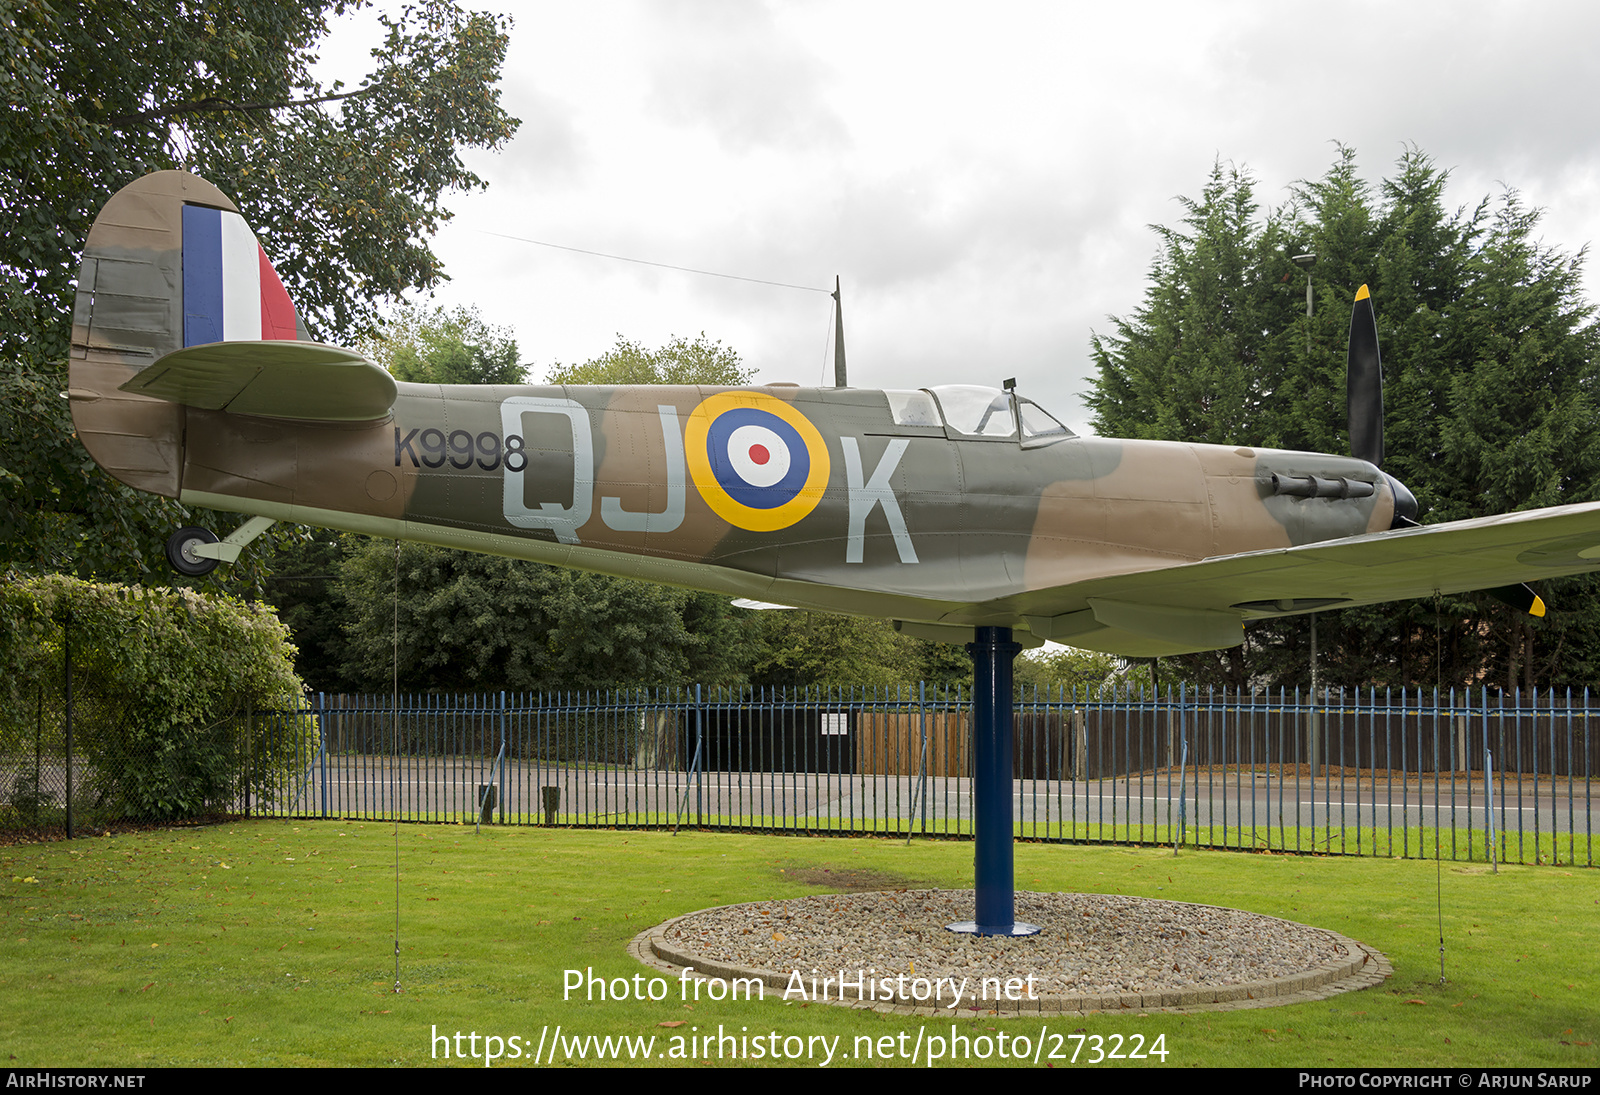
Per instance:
x=759, y=454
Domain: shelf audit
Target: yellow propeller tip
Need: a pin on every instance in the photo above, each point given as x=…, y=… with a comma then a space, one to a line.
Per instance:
x=1362, y=294
x=1537, y=608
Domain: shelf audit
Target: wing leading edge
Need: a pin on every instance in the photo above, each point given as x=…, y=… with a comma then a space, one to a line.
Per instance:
x=1202, y=606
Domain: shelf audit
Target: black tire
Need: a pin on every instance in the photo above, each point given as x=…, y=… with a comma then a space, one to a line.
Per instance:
x=179, y=546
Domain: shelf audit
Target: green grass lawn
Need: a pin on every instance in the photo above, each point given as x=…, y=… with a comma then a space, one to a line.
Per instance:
x=270, y=943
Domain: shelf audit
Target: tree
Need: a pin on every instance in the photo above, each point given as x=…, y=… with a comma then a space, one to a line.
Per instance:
x=1489, y=371
x=1204, y=357
x=342, y=187
x=678, y=362
x=1520, y=432
x=471, y=622
x=796, y=649
x=1207, y=356
x=807, y=649
x=1083, y=672
x=305, y=589
x=440, y=346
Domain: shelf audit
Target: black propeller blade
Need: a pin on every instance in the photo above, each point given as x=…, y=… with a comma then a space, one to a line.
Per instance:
x=1520, y=597
x=1364, y=382
x=1364, y=399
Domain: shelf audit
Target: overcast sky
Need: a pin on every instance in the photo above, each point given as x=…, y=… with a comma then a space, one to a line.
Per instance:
x=982, y=178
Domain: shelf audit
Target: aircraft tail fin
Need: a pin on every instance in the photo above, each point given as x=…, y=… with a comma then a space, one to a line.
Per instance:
x=169, y=264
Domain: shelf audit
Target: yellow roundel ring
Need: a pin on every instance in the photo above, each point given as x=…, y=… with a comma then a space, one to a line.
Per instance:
x=757, y=461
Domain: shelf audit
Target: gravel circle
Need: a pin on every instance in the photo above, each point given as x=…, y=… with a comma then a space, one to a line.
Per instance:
x=1096, y=950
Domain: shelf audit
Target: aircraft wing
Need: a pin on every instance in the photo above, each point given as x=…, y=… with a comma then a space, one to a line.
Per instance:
x=276, y=379
x=1199, y=606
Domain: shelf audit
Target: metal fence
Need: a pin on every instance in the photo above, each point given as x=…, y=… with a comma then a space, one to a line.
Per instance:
x=84, y=763
x=1368, y=773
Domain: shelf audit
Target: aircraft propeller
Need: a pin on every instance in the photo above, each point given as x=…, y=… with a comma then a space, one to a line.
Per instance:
x=1364, y=399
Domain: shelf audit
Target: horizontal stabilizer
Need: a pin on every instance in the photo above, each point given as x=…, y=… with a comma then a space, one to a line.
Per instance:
x=275, y=379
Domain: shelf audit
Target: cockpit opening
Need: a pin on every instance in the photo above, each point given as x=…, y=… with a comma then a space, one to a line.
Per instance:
x=973, y=410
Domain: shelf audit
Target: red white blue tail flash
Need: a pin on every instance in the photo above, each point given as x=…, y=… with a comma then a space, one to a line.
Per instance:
x=231, y=293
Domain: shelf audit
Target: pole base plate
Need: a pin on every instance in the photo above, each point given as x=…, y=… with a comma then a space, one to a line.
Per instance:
x=970, y=927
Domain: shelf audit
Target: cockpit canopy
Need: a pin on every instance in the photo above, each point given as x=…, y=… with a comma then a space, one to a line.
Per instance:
x=973, y=410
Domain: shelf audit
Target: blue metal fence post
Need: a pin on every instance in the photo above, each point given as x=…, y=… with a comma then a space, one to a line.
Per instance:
x=322, y=748
x=500, y=775
x=1488, y=805
x=699, y=740
x=1183, y=764
x=992, y=748
x=922, y=759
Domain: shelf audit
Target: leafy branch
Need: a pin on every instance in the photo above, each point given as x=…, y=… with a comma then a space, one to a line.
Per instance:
x=213, y=105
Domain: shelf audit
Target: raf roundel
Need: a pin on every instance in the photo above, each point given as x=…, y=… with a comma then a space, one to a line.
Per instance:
x=758, y=462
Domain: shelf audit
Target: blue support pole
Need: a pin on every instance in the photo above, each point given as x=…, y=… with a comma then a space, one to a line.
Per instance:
x=992, y=655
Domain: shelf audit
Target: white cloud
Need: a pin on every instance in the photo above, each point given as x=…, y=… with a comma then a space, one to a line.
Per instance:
x=982, y=178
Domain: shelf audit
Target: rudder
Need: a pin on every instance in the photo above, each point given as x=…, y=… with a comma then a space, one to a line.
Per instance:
x=169, y=263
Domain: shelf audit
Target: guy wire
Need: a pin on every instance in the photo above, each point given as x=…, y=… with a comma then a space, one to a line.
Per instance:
x=827, y=346
x=1438, y=681
x=647, y=262
x=394, y=769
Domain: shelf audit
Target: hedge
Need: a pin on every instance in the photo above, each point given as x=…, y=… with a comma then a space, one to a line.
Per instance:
x=177, y=696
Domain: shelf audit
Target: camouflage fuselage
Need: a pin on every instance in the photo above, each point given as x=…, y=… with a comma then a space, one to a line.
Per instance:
x=989, y=531
x=848, y=500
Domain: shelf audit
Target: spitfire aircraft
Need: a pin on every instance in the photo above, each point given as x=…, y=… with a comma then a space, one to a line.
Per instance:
x=965, y=513
x=945, y=509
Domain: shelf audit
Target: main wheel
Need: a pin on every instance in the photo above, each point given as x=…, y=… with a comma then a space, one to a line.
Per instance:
x=180, y=551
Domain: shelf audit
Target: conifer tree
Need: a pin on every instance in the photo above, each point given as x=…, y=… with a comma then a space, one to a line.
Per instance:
x=1203, y=357
x=1489, y=373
